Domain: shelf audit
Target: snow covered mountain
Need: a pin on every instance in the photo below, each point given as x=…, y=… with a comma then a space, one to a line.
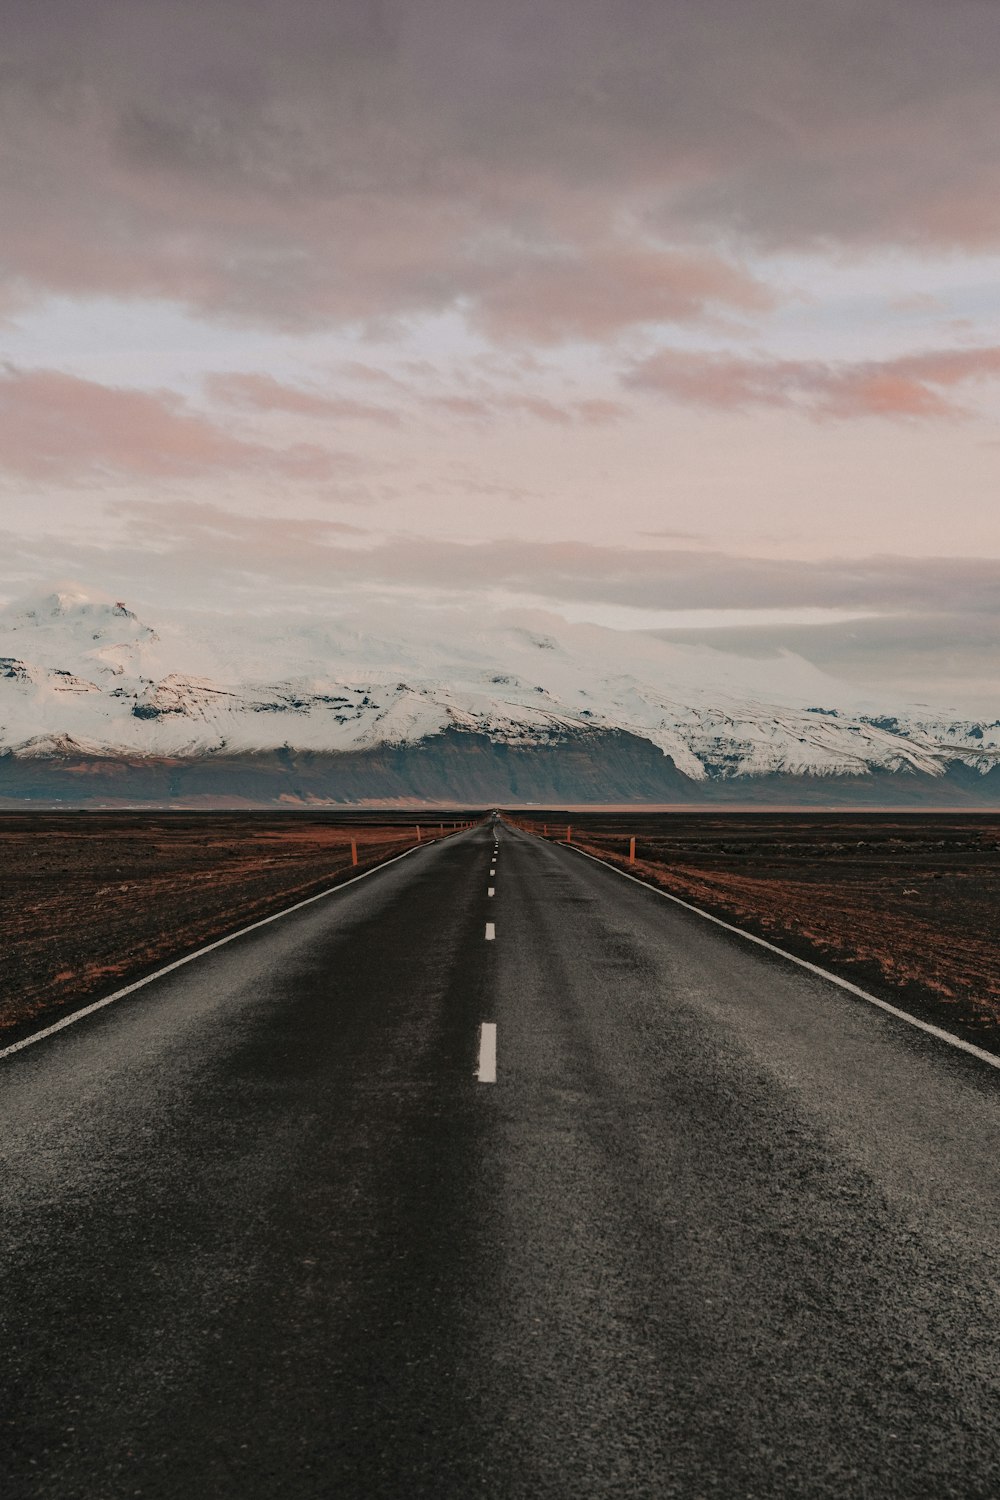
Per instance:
x=84, y=683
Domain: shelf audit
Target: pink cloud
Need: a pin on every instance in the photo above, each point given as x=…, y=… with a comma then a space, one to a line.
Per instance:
x=598, y=410
x=264, y=393
x=473, y=407
x=493, y=405
x=60, y=427
x=370, y=374
x=595, y=293
x=908, y=386
x=538, y=406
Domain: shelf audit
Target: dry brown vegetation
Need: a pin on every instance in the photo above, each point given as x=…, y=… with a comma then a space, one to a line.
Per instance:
x=91, y=901
x=906, y=904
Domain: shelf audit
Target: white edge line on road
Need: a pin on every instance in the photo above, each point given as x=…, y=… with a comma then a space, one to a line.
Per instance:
x=803, y=963
x=178, y=963
x=490, y=892
x=491, y=932
x=487, y=1053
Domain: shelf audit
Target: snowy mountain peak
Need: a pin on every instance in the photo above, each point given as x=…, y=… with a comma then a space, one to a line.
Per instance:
x=81, y=669
x=77, y=630
x=70, y=605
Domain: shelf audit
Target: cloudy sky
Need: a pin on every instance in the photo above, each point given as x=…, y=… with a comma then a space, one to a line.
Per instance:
x=678, y=314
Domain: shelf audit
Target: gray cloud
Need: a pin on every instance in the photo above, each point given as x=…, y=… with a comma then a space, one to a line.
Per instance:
x=555, y=171
x=950, y=657
x=314, y=551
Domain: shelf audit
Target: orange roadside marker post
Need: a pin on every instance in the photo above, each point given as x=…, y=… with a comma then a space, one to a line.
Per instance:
x=631, y=850
x=354, y=851
x=569, y=833
x=418, y=833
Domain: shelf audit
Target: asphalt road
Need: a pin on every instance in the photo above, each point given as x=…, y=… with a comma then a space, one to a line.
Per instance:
x=717, y=1229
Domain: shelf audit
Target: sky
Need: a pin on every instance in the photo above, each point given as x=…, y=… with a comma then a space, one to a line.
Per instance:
x=665, y=314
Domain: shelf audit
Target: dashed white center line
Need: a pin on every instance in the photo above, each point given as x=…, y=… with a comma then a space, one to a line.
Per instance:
x=487, y=1053
x=491, y=932
x=493, y=870
x=491, y=892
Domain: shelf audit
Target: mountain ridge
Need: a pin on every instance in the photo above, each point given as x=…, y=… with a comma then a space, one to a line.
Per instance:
x=84, y=682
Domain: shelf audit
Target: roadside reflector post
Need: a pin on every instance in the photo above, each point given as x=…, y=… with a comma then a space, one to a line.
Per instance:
x=354, y=851
x=569, y=833
x=418, y=833
x=545, y=830
x=631, y=850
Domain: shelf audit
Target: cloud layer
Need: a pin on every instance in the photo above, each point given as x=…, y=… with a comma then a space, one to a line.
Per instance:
x=325, y=555
x=559, y=171
x=576, y=270
x=60, y=428
x=909, y=386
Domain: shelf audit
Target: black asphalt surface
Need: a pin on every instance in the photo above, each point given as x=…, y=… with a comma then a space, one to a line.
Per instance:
x=718, y=1229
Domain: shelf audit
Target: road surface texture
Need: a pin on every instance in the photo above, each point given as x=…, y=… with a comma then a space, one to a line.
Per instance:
x=717, y=1229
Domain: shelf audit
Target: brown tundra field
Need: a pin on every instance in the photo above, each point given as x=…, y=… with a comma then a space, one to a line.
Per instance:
x=90, y=901
x=907, y=905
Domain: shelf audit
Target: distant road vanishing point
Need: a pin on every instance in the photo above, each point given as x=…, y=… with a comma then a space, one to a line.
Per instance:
x=494, y=1174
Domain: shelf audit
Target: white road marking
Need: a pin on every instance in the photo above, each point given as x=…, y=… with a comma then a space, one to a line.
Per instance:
x=803, y=963
x=487, y=1053
x=493, y=870
x=491, y=891
x=491, y=932
x=178, y=963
